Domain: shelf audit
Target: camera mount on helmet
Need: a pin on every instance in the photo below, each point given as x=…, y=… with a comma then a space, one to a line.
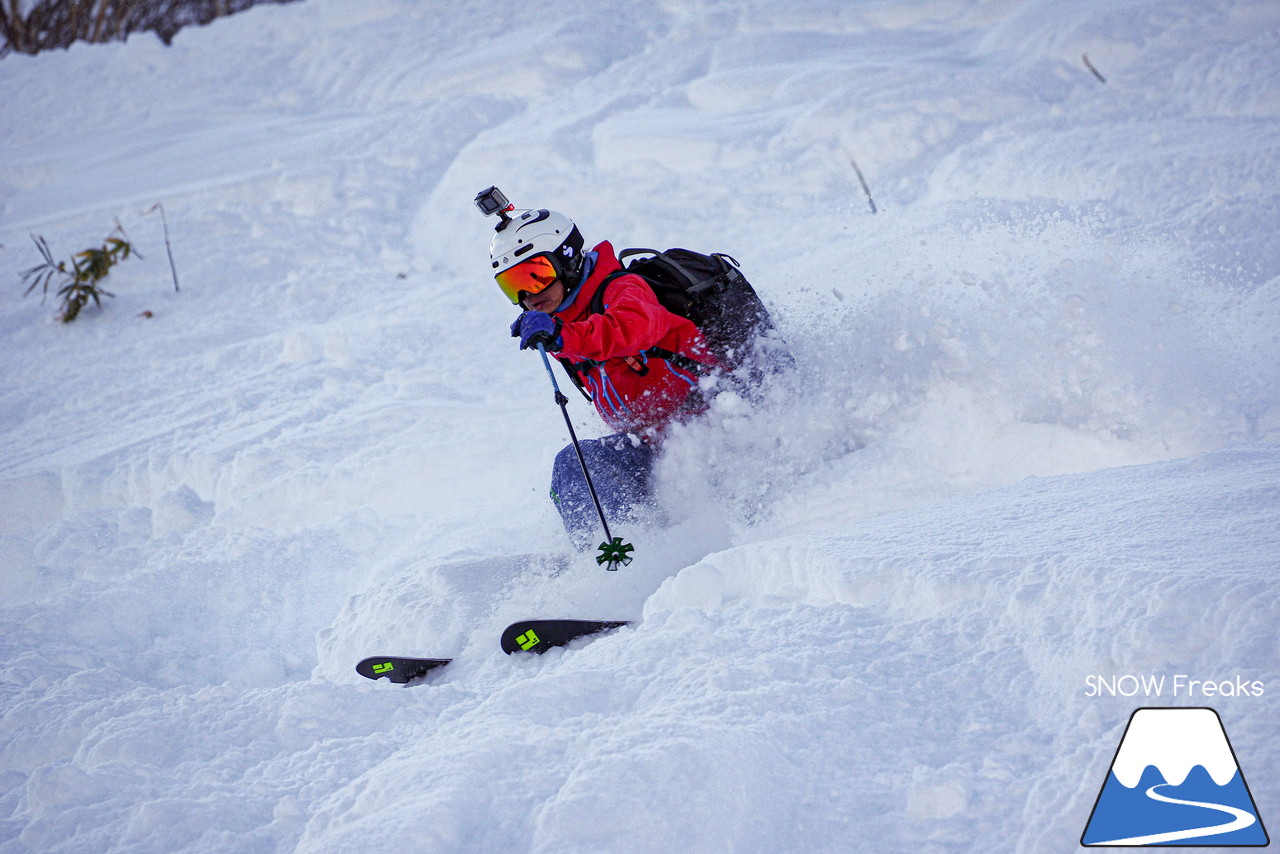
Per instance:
x=492, y=201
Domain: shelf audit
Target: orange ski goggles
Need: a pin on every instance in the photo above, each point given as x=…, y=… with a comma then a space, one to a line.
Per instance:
x=531, y=276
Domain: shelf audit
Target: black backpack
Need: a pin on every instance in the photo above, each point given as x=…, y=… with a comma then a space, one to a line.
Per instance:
x=711, y=291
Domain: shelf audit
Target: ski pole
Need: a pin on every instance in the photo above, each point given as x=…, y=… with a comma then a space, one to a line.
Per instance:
x=613, y=551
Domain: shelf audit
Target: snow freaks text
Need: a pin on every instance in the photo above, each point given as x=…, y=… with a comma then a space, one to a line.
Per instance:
x=1179, y=685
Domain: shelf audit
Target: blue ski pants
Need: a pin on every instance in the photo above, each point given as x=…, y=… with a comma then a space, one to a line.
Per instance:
x=620, y=471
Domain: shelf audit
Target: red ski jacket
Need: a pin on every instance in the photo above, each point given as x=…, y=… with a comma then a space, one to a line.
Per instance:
x=634, y=389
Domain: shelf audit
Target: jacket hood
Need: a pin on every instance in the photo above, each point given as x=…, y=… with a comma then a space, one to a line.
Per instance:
x=606, y=264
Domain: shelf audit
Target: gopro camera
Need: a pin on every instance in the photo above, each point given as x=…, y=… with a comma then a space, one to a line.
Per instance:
x=492, y=201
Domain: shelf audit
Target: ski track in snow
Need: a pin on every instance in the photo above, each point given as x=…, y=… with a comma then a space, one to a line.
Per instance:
x=1033, y=433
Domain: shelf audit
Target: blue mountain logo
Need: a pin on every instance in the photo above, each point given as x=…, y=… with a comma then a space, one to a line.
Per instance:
x=1175, y=781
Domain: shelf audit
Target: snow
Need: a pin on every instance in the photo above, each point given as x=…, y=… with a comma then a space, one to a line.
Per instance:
x=1174, y=741
x=1033, y=435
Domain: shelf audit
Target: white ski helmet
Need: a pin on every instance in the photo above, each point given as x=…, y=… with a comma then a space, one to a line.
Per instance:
x=538, y=232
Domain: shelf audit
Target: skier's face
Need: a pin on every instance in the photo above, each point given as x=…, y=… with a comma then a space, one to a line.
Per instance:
x=548, y=300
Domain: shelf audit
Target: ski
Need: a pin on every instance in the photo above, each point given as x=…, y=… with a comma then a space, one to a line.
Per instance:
x=525, y=636
x=398, y=669
x=541, y=635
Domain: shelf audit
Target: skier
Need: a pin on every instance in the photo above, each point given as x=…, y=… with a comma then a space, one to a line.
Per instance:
x=639, y=363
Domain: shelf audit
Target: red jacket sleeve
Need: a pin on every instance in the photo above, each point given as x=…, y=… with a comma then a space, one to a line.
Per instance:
x=633, y=321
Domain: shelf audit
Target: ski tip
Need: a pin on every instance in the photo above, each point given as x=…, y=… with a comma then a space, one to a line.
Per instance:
x=538, y=636
x=398, y=669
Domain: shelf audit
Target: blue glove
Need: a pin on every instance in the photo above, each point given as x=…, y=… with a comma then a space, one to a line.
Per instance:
x=537, y=327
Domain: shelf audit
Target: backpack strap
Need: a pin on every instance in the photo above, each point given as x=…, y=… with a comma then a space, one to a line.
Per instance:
x=576, y=373
x=680, y=360
x=597, y=299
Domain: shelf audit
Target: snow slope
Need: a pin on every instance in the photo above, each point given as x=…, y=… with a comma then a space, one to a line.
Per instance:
x=1033, y=434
